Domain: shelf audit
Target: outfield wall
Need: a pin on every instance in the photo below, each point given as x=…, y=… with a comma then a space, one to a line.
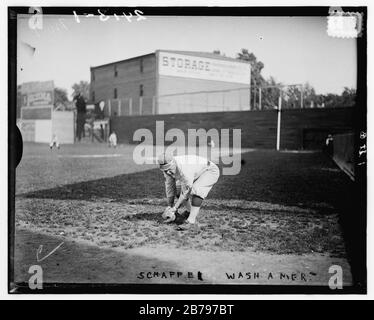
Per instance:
x=344, y=153
x=61, y=123
x=300, y=129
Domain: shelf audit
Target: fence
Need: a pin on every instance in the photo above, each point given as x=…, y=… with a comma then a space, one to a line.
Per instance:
x=130, y=106
x=344, y=153
x=258, y=128
x=203, y=101
x=239, y=99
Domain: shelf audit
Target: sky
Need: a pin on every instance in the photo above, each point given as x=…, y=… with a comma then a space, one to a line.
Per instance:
x=294, y=50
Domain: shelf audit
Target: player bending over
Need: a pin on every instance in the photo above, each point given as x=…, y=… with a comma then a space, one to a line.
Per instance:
x=195, y=175
x=54, y=142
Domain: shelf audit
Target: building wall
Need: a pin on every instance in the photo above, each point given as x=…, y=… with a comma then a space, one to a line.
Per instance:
x=127, y=82
x=209, y=78
x=129, y=78
x=63, y=126
x=43, y=113
x=233, y=96
x=36, y=100
x=35, y=130
x=301, y=129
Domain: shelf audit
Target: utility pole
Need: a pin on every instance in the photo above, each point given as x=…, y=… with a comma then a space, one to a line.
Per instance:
x=259, y=98
x=279, y=119
x=302, y=97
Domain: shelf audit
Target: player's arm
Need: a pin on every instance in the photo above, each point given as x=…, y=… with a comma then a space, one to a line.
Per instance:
x=184, y=195
x=170, y=188
x=186, y=187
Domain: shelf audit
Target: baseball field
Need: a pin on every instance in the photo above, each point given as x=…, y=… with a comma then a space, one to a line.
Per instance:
x=87, y=214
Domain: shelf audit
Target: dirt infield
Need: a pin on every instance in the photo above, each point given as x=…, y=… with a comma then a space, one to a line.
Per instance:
x=265, y=228
x=278, y=214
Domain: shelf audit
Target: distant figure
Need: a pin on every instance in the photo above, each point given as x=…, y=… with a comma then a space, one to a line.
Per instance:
x=89, y=124
x=80, y=104
x=329, y=145
x=87, y=128
x=211, y=143
x=113, y=140
x=54, y=142
x=102, y=133
x=99, y=110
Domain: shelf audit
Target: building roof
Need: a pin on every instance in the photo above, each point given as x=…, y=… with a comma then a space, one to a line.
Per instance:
x=188, y=53
x=204, y=55
x=128, y=59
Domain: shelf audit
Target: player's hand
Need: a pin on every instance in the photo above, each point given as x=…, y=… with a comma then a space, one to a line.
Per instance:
x=173, y=209
x=169, y=214
x=166, y=212
x=169, y=220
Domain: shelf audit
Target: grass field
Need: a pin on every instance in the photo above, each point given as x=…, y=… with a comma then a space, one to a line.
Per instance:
x=279, y=214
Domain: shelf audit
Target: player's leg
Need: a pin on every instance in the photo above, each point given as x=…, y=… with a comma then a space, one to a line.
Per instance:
x=196, y=202
x=200, y=191
x=186, y=203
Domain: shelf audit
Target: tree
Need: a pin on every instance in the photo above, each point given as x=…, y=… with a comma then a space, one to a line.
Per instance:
x=257, y=79
x=256, y=66
x=61, y=98
x=293, y=94
x=348, y=97
x=270, y=90
x=310, y=98
x=83, y=87
x=270, y=93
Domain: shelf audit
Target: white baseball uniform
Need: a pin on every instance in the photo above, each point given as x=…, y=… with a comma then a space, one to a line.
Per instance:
x=54, y=142
x=193, y=173
x=113, y=140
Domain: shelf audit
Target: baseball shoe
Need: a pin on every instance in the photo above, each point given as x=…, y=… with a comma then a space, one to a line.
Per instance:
x=181, y=217
x=185, y=214
x=186, y=225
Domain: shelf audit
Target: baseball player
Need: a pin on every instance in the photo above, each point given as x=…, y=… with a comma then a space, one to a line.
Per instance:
x=54, y=142
x=113, y=140
x=195, y=175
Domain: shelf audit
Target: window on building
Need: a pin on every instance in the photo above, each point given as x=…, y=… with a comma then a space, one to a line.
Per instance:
x=141, y=65
x=115, y=93
x=115, y=71
x=93, y=96
x=141, y=90
x=93, y=76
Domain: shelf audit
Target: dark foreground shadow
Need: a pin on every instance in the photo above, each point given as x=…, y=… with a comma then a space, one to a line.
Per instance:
x=75, y=262
x=81, y=268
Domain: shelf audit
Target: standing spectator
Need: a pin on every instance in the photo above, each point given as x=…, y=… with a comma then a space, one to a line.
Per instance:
x=80, y=104
x=89, y=124
x=88, y=128
x=113, y=140
x=329, y=145
x=102, y=133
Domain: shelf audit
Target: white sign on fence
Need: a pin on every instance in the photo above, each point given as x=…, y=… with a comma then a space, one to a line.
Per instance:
x=188, y=66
